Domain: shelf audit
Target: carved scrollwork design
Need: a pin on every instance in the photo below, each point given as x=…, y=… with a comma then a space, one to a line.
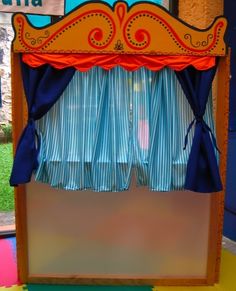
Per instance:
x=141, y=28
x=31, y=39
x=135, y=37
x=46, y=35
x=199, y=43
x=98, y=37
x=38, y=40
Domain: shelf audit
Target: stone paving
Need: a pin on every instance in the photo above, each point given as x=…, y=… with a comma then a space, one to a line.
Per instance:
x=6, y=35
x=229, y=245
x=7, y=218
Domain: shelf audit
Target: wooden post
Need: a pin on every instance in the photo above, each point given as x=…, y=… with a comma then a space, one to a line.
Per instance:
x=19, y=117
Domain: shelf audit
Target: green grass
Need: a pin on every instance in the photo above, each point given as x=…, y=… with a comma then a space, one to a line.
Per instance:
x=6, y=192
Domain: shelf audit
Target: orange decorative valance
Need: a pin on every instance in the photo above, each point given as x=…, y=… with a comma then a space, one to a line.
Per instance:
x=143, y=28
x=84, y=62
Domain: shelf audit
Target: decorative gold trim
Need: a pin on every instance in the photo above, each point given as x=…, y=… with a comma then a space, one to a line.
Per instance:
x=143, y=28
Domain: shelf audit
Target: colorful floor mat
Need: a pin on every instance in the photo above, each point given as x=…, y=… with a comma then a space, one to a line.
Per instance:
x=86, y=288
x=8, y=276
x=13, y=288
x=227, y=277
x=8, y=267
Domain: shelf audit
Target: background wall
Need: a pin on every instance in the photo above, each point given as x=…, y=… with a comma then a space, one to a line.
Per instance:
x=200, y=13
x=6, y=35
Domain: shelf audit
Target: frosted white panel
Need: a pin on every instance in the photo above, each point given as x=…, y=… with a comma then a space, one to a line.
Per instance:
x=133, y=233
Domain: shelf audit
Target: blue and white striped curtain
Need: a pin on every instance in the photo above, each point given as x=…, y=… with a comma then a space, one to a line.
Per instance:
x=109, y=125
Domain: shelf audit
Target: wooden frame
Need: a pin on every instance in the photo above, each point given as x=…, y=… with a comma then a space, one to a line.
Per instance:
x=207, y=46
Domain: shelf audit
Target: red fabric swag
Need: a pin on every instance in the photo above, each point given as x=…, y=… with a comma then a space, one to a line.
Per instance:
x=84, y=62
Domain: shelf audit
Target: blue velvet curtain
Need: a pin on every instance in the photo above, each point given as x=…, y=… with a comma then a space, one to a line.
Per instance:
x=202, y=170
x=43, y=86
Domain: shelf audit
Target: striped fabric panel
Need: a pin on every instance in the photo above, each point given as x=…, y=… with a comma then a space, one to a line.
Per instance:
x=109, y=124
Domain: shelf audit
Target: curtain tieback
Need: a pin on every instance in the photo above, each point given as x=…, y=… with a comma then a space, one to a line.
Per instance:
x=205, y=127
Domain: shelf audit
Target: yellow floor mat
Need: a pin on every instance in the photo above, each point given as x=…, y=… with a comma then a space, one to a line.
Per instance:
x=227, y=277
x=13, y=288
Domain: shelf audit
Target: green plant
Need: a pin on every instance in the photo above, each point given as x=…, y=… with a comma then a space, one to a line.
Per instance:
x=6, y=192
x=7, y=130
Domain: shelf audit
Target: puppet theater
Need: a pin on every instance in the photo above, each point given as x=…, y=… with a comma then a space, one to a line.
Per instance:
x=120, y=155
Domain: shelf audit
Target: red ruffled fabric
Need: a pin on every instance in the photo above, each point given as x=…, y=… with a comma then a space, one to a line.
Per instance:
x=84, y=62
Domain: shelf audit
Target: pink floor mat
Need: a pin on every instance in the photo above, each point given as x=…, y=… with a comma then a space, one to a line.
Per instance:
x=8, y=267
